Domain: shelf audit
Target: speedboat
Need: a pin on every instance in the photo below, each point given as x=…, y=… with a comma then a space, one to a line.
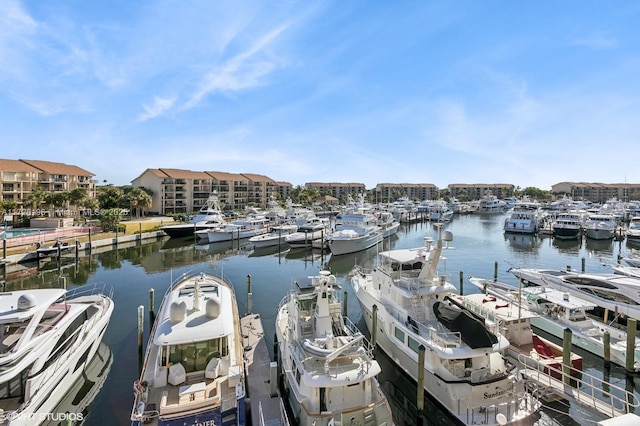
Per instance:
x=615, y=293
x=407, y=308
x=47, y=338
x=327, y=365
x=556, y=310
x=193, y=369
x=209, y=216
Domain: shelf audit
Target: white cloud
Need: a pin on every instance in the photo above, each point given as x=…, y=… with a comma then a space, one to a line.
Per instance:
x=159, y=107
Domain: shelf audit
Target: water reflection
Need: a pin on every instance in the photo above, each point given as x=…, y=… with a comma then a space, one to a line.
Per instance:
x=571, y=246
x=77, y=401
x=599, y=246
x=523, y=242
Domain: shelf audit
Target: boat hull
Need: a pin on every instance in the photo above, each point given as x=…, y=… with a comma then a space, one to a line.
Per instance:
x=451, y=396
x=353, y=245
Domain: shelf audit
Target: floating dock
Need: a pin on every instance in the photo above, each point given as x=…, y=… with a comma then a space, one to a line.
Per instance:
x=261, y=372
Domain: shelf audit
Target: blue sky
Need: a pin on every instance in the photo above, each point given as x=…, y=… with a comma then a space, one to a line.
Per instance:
x=524, y=92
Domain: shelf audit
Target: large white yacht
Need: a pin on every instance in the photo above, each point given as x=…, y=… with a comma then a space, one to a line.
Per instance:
x=239, y=229
x=209, y=216
x=193, y=369
x=47, y=338
x=311, y=232
x=525, y=218
x=465, y=371
x=327, y=365
x=600, y=226
x=613, y=292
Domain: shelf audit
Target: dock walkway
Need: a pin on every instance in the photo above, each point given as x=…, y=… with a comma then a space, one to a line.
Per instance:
x=589, y=391
x=266, y=408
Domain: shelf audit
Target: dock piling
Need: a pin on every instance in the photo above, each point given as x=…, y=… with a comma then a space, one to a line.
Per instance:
x=152, y=306
x=420, y=384
x=140, y=335
x=249, y=294
x=632, y=326
x=566, y=356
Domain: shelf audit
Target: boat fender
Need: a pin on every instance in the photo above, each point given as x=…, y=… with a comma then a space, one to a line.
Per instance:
x=38, y=245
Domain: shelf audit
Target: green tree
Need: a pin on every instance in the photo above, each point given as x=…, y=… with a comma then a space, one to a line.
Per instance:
x=35, y=199
x=77, y=196
x=109, y=197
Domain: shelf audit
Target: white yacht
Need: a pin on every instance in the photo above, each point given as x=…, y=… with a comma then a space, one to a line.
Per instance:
x=568, y=226
x=387, y=222
x=273, y=238
x=327, y=365
x=209, y=216
x=193, y=370
x=356, y=232
x=47, y=338
x=311, y=232
x=240, y=229
x=490, y=204
x=525, y=218
x=600, y=226
x=613, y=292
x=633, y=230
x=557, y=310
x=407, y=307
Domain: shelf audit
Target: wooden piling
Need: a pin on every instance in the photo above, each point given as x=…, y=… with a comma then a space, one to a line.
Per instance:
x=374, y=324
x=420, y=384
x=344, y=304
x=607, y=349
x=140, y=336
x=632, y=326
x=566, y=356
x=461, y=283
x=249, y=294
x=495, y=271
x=152, y=307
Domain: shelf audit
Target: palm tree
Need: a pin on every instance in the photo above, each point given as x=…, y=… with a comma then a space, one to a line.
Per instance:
x=35, y=199
x=139, y=198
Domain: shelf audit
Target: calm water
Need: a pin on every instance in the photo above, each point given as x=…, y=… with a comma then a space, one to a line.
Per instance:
x=478, y=241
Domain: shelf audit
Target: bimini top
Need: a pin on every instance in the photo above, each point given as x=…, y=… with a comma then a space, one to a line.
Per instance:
x=199, y=308
x=23, y=304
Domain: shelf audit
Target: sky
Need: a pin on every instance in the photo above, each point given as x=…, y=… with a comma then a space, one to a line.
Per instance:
x=530, y=93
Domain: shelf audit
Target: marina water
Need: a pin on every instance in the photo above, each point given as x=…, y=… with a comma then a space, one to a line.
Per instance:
x=133, y=271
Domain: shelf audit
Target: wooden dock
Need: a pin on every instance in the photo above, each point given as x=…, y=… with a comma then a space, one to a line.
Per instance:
x=262, y=386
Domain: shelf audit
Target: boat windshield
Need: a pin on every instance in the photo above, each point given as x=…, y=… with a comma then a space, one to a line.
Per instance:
x=194, y=356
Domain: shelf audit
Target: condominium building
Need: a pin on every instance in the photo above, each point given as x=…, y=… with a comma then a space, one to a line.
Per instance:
x=185, y=191
x=20, y=177
x=476, y=191
x=598, y=192
x=336, y=189
x=390, y=192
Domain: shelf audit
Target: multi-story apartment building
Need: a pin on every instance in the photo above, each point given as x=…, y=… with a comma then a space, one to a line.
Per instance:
x=476, y=191
x=598, y=192
x=337, y=190
x=390, y=192
x=19, y=177
x=185, y=191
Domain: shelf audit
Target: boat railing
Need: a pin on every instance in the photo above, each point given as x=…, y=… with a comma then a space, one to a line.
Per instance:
x=587, y=389
x=479, y=414
x=90, y=290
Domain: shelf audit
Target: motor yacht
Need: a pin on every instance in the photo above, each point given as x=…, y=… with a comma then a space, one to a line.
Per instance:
x=193, y=369
x=406, y=307
x=209, y=216
x=47, y=338
x=327, y=367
